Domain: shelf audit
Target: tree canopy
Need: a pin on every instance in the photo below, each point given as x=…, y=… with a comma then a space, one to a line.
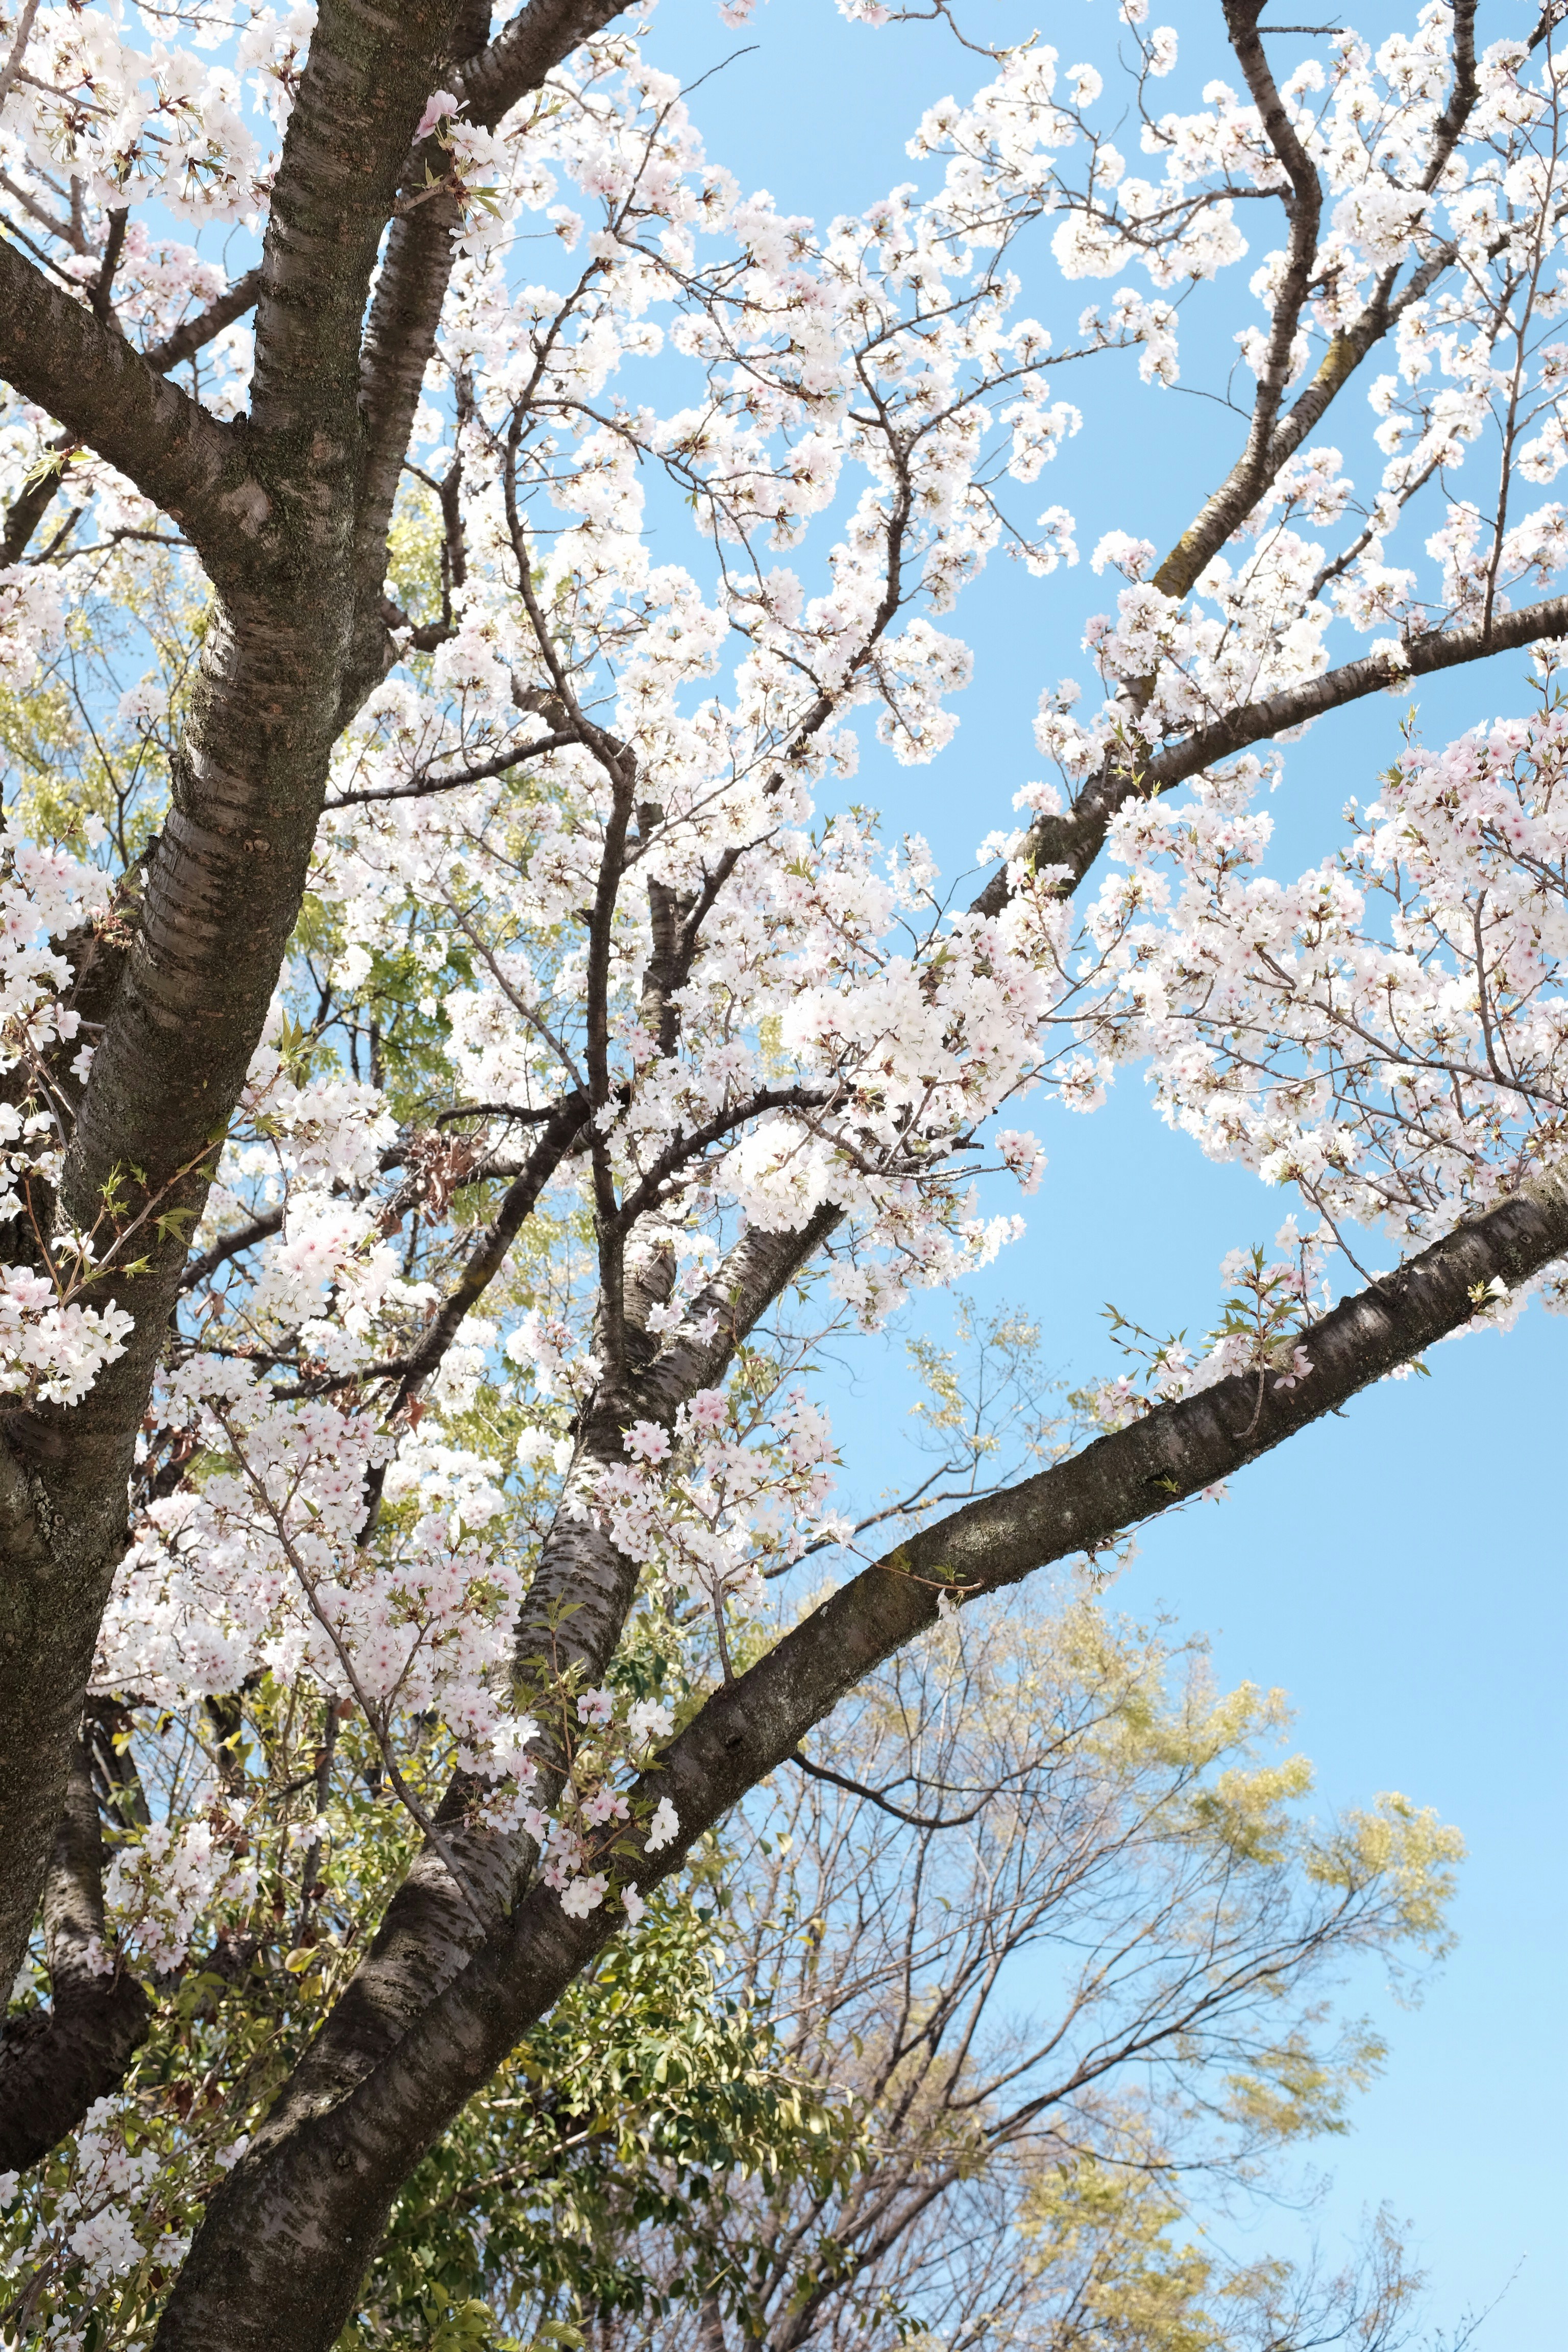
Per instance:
x=470, y=1053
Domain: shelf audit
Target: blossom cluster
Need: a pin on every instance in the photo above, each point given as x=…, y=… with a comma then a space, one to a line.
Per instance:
x=263, y=1567
x=1386, y=1034
x=731, y=1506
x=131, y=124
x=52, y=1344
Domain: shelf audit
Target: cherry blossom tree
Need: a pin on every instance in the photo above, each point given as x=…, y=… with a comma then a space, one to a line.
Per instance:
x=465, y=1051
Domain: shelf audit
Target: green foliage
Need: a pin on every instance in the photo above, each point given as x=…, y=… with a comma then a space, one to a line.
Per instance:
x=1101, y=2234
x=80, y=773
x=646, y=2099
x=414, y=550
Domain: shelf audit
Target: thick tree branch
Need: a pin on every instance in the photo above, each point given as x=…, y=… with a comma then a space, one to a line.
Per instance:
x=1450, y=126
x=400, y=337
x=54, y=352
x=28, y=508
x=368, y=72
x=54, y=2063
x=224, y=885
x=525, y=50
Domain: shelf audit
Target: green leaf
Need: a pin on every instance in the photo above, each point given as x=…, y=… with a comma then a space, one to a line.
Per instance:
x=52, y=462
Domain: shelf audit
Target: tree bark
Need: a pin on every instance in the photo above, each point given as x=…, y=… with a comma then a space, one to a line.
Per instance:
x=54, y=2065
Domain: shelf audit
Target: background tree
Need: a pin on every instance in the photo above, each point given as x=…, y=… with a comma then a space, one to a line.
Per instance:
x=1044, y=1936
x=453, y=932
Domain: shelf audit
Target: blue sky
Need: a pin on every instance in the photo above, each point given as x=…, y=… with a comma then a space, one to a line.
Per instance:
x=1398, y=1570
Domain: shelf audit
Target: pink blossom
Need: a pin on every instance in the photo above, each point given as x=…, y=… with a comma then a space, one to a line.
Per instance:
x=647, y=1442
x=437, y=107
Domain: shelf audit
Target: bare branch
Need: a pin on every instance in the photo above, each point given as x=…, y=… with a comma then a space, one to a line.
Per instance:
x=221, y=312
x=261, y=1228
x=424, y=787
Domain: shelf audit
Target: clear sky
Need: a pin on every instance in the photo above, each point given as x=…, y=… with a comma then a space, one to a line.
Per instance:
x=1398, y=1571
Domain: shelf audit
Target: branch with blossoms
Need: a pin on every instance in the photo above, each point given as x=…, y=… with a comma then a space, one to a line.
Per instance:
x=747, y=1728
x=1163, y=682
x=1065, y=843
x=1259, y=1336
x=1395, y=1047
